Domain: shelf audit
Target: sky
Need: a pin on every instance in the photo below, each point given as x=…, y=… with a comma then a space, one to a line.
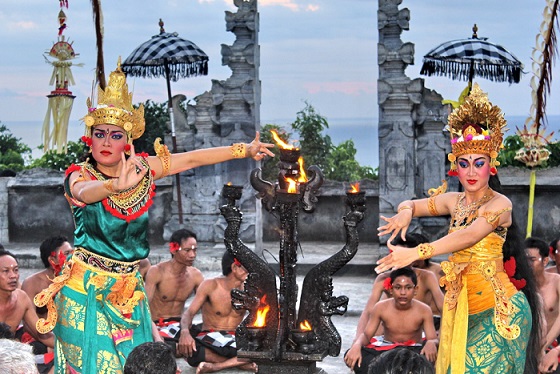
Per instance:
x=320, y=51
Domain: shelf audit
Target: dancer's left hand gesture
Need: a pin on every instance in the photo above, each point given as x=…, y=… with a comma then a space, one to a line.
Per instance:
x=257, y=150
x=398, y=257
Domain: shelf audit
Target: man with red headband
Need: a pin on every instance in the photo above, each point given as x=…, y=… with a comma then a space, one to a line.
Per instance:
x=170, y=283
x=54, y=251
x=211, y=347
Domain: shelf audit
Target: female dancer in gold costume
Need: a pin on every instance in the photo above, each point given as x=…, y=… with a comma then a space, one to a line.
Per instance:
x=487, y=324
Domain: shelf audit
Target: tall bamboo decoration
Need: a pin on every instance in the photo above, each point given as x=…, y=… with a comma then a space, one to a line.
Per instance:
x=61, y=98
x=533, y=153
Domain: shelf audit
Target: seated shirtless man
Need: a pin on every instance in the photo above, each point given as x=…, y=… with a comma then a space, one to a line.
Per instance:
x=428, y=291
x=404, y=320
x=170, y=283
x=15, y=304
x=211, y=346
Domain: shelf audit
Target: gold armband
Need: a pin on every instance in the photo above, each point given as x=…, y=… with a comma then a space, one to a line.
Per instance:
x=238, y=150
x=425, y=250
x=108, y=185
x=162, y=152
x=432, y=206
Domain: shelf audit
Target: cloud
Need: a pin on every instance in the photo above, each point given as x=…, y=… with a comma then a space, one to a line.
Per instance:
x=347, y=88
x=290, y=4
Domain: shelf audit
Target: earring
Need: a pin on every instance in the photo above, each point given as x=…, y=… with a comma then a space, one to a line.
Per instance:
x=127, y=149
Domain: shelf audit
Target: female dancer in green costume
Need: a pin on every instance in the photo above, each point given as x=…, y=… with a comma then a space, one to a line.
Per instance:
x=97, y=306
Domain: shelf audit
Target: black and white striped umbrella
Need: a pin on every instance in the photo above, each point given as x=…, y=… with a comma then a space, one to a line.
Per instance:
x=172, y=57
x=164, y=51
x=464, y=59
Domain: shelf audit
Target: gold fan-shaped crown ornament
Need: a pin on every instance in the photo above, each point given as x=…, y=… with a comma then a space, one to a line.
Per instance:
x=476, y=127
x=114, y=107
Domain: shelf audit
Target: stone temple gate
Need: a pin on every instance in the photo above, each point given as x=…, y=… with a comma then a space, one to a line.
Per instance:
x=410, y=126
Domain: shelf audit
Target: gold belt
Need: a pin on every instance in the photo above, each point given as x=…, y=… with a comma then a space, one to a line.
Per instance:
x=104, y=263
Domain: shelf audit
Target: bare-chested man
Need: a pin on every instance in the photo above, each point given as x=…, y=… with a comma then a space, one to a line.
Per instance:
x=428, y=291
x=555, y=254
x=404, y=320
x=54, y=251
x=15, y=305
x=548, y=285
x=170, y=283
x=211, y=347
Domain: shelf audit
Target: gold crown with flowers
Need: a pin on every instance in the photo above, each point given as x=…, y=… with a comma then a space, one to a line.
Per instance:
x=114, y=107
x=476, y=127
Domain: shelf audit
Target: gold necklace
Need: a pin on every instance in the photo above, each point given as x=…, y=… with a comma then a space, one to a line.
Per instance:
x=465, y=214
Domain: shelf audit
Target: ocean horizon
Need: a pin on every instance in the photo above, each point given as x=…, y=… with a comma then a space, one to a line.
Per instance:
x=363, y=131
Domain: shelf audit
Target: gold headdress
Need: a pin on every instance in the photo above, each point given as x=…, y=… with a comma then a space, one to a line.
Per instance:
x=476, y=127
x=114, y=107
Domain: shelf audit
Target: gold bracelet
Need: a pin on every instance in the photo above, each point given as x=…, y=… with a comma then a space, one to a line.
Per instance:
x=108, y=185
x=162, y=152
x=425, y=250
x=404, y=207
x=432, y=206
x=238, y=150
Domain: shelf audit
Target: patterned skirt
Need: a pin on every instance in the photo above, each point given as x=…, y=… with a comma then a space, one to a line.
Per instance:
x=102, y=315
x=488, y=351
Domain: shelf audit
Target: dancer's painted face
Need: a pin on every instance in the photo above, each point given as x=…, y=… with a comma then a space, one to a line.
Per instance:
x=474, y=171
x=108, y=142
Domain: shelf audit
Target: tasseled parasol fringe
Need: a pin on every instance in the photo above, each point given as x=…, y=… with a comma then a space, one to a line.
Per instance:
x=460, y=70
x=177, y=69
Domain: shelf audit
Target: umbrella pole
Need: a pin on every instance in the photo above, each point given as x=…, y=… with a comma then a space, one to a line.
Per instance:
x=532, y=183
x=174, y=142
x=471, y=76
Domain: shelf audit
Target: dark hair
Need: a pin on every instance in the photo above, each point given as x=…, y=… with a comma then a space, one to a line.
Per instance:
x=3, y=253
x=227, y=260
x=412, y=240
x=400, y=360
x=406, y=272
x=512, y=248
x=538, y=244
x=6, y=331
x=182, y=234
x=1, y=247
x=50, y=245
x=151, y=358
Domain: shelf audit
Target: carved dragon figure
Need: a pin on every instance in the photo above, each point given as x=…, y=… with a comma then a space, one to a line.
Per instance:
x=317, y=304
x=260, y=282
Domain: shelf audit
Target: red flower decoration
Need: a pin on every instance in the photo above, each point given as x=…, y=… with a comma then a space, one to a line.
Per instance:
x=509, y=267
x=236, y=262
x=551, y=251
x=127, y=148
x=174, y=247
x=452, y=173
x=87, y=140
x=493, y=170
x=387, y=285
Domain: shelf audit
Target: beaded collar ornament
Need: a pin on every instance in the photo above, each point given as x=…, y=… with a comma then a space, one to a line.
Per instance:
x=476, y=127
x=114, y=107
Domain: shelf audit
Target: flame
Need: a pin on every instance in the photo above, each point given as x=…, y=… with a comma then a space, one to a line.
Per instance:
x=305, y=326
x=229, y=183
x=292, y=185
x=302, y=175
x=355, y=187
x=260, y=321
x=282, y=144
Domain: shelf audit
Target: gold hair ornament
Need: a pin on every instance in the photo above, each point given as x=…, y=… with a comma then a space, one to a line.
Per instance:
x=476, y=127
x=114, y=107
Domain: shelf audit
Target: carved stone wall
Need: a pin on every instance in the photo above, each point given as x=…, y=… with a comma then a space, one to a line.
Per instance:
x=397, y=97
x=228, y=113
x=412, y=145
